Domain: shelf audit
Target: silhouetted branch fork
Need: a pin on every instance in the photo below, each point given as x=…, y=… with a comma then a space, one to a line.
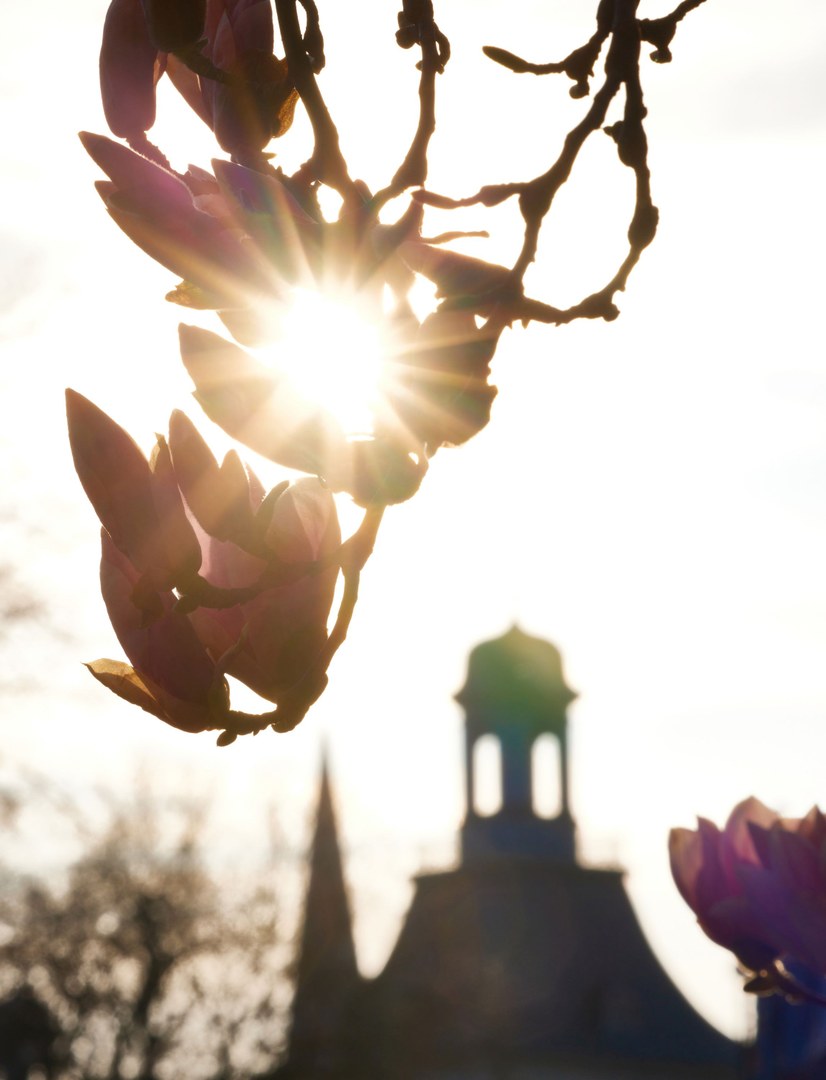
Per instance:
x=490, y=195
x=596, y=306
x=327, y=162
x=536, y=196
x=416, y=23
x=615, y=19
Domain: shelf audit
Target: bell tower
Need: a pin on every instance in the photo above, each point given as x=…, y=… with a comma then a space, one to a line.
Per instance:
x=516, y=698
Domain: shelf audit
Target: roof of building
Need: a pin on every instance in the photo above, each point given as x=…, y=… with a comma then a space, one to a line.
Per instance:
x=527, y=959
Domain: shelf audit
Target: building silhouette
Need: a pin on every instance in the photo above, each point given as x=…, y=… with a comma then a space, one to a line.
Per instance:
x=520, y=963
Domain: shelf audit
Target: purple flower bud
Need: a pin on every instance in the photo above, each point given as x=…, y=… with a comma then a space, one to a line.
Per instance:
x=758, y=887
x=259, y=607
x=258, y=101
x=129, y=70
x=158, y=212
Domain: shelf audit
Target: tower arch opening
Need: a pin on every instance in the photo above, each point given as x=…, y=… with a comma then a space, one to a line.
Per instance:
x=546, y=777
x=487, y=776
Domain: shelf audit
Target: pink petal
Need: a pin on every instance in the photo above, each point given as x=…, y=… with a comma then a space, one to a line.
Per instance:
x=712, y=884
x=285, y=234
x=175, y=534
x=167, y=650
x=259, y=193
x=737, y=845
x=251, y=404
x=117, y=480
x=686, y=856
x=219, y=497
x=127, y=70
x=439, y=389
x=794, y=860
x=151, y=189
x=197, y=249
x=304, y=523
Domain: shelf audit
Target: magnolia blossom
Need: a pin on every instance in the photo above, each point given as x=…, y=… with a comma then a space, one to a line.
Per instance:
x=435, y=391
x=241, y=248
x=204, y=575
x=193, y=235
x=243, y=237
x=758, y=888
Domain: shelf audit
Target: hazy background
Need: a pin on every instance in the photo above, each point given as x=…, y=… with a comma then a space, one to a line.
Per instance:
x=650, y=495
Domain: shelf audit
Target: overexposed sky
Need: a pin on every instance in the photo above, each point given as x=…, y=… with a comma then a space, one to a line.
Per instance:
x=650, y=494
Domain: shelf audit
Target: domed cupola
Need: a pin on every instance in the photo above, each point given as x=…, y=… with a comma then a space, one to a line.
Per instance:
x=516, y=698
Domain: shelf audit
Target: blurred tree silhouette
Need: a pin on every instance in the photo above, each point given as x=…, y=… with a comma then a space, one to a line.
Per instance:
x=15, y=602
x=141, y=962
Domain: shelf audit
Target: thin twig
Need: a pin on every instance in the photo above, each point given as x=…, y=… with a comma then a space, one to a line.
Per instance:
x=615, y=19
x=327, y=163
x=435, y=52
x=660, y=32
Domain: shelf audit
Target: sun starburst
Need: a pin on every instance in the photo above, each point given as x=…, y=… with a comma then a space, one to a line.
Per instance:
x=331, y=348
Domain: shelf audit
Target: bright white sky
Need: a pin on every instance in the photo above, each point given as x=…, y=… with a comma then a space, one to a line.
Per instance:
x=650, y=495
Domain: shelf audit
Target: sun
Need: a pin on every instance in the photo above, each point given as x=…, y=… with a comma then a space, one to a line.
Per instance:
x=332, y=350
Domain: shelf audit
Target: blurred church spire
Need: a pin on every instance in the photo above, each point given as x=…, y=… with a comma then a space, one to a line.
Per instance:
x=326, y=973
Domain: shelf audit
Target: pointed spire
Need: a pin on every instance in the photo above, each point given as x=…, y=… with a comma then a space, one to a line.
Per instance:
x=326, y=974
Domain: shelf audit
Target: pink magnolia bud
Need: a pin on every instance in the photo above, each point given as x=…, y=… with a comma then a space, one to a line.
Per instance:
x=259, y=607
x=758, y=887
x=258, y=101
x=158, y=212
x=129, y=69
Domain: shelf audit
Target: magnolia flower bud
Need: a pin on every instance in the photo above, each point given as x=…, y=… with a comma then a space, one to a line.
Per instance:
x=758, y=887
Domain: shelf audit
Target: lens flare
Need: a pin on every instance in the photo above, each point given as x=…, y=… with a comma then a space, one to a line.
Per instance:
x=331, y=349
